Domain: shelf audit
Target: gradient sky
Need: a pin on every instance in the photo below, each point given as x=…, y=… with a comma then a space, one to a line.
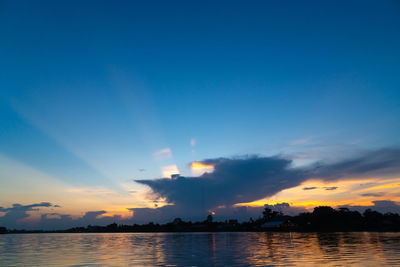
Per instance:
x=94, y=94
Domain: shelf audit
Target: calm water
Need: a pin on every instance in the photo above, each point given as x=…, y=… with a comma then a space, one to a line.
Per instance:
x=201, y=249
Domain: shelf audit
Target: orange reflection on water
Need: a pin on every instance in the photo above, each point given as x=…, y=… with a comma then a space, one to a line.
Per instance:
x=331, y=249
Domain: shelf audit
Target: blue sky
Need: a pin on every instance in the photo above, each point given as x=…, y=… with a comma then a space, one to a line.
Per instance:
x=90, y=91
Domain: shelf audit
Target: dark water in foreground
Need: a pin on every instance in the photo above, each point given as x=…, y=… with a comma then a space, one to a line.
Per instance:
x=201, y=249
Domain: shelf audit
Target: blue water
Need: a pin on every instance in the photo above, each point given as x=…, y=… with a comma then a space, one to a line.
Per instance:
x=201, y=249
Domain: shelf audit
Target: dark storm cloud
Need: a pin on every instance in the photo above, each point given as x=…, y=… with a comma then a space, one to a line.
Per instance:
x=310, y=188
x=233, y=181
x=251, y=178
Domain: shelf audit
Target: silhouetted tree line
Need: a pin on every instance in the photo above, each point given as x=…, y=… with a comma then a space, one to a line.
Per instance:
x=322, y=219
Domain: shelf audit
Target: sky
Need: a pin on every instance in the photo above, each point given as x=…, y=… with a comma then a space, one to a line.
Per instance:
x=252, y=103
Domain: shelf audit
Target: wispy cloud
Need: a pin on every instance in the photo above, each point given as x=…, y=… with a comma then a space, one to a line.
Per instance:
x=300, y=141
x=164, y=153
x=377, y=194
x=310, y=188
x=192, y=142
x=330, y=188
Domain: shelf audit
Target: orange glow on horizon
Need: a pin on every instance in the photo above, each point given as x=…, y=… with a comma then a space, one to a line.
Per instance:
x=307, y=204
x=346, y=192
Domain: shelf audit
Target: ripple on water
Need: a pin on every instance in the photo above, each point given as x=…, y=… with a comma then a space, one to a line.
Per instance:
x=201, y=249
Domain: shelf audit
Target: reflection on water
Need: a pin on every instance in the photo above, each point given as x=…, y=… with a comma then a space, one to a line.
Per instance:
x=201, y=249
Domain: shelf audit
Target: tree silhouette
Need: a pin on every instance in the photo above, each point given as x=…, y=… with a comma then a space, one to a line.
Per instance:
x=269, y=215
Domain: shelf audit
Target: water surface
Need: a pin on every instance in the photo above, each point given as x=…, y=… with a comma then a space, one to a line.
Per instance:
x=201, y=249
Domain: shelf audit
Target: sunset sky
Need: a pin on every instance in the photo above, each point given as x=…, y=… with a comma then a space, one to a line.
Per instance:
x=253, y=103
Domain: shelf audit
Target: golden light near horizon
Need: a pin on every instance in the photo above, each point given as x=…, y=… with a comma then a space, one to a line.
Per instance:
x=353, y=192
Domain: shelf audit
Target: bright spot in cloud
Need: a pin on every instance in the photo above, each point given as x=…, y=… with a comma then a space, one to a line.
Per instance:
x=164, y=153
x=169, y=170
x=198, y=168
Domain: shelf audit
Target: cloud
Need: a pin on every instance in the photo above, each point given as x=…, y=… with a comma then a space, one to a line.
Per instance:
x=17, y=217
x=91, y=191
x=57, y=221
x=382, y=206
x=377, y=194
x=371, y=163
x=330, y=188
x=310, y=188
x=198, y=168
x=299, y=142
x=21, y=208
x=165, y=153
x=233, y=181
x=246, y=179
x=192, y=142
x=14, y=215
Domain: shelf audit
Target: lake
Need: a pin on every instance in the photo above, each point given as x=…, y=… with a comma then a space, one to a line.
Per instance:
x=201, y=249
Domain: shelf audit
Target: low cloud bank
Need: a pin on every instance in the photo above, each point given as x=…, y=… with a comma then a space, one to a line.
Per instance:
x=17, y=217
